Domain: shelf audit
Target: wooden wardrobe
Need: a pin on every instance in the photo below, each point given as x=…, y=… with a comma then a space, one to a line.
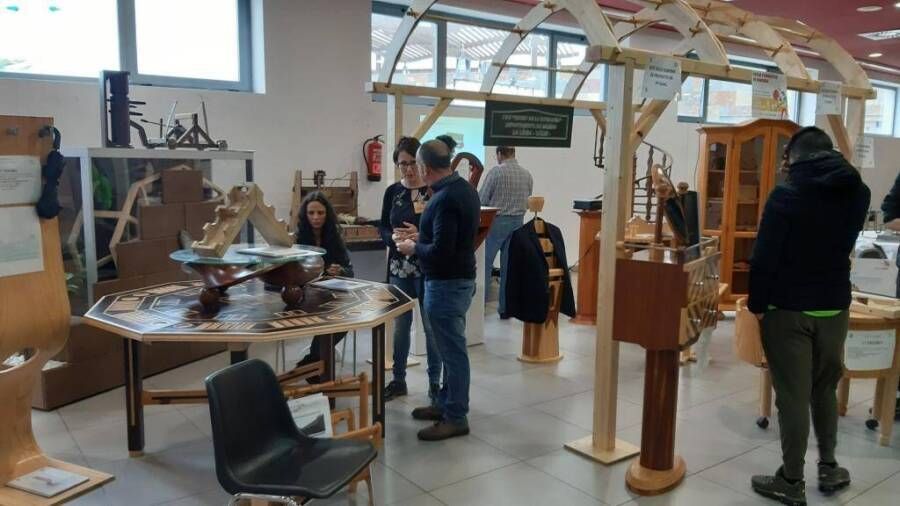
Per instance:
x=738, y=166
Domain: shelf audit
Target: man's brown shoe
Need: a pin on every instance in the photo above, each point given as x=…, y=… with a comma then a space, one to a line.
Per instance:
x=444, y=430
x=428, y=413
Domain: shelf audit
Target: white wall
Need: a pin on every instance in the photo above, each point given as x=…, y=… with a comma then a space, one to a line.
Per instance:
x=315, y=115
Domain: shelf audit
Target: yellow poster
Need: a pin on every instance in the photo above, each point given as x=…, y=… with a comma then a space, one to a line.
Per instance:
x=769, y=95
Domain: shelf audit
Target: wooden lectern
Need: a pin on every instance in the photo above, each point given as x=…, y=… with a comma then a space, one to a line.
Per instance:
x=34, y=309
x=678, y=296
x=540, y=341
x=588, y=267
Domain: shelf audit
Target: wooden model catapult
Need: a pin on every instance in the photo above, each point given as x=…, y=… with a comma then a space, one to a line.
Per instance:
x=704, y=27
x=245, y=203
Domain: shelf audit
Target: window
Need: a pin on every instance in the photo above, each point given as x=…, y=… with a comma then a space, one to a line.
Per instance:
x=470, y=50
x=212, y=51
x=51, y=37
x=569, y=56
x=880, y=111
x=516, y=79
x=690, y=103
x=729, y=102
x=201, y=43
x=418, y=63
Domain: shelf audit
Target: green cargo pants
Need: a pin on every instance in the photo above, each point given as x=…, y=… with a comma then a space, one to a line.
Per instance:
x=805, y=356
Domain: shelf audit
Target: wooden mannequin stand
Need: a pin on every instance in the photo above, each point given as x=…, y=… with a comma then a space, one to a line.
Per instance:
x=35, y=316
x=588, y=265
x=540, y=341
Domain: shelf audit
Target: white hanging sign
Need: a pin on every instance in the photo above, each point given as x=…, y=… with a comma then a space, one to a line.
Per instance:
x=769, y=95
x=21, y=243
x=662, y=78
x=20, y=180
x=864, y=153
x=869, y=350
x=829, y=99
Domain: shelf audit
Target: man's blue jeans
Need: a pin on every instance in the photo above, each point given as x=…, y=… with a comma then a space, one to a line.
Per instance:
x=501, y=229
x=415, y=288
x=446, y=304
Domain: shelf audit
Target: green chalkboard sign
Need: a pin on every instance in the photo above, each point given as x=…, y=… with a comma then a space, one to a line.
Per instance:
x=515, y=124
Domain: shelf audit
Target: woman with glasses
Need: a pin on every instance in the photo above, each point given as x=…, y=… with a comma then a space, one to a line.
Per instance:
x=401, y=209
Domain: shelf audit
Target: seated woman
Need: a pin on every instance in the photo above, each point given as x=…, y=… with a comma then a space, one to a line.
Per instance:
x=402, y=206
x=318, y=226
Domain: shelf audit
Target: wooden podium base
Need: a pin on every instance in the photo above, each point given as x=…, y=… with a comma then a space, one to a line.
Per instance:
x=644, y=481
x=584, y=319
x=585, y=447
x=538, y=360
x=12, y=496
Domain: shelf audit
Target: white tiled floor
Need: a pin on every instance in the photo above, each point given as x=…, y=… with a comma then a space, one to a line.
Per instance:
x=521, y=416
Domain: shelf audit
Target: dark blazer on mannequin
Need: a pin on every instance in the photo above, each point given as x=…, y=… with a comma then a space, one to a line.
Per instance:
x=528, y=275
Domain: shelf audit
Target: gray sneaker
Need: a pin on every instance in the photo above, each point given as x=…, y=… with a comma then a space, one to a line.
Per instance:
x=777, y=488
x=832, y=478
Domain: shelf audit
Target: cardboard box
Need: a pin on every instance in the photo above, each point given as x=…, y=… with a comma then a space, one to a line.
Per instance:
x=179, y=186
x=197, y=214
x=86, y=342
x=104, y=288
x=138, y=258
x=162, y=278
x=74, y=381
x=160, y=220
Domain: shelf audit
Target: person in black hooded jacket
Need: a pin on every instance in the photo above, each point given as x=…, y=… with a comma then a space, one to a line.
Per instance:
x=800, y=291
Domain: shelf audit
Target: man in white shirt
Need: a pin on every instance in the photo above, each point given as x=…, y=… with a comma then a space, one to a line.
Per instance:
x=507, y=187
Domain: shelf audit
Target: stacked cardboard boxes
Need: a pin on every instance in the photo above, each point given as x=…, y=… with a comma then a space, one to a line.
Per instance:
x=91, y=361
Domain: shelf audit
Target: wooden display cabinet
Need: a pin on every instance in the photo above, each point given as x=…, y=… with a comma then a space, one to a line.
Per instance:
x=738, y=167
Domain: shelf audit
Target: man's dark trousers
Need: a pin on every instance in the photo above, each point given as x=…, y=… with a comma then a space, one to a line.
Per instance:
x=804, y=354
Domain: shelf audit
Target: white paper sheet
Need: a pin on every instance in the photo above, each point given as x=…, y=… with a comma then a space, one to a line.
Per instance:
x=869, y=350
x=829, y=99
x=662, y=78
x=21, y=246
x=20, y=180
x=864, y=153
x=312, y=414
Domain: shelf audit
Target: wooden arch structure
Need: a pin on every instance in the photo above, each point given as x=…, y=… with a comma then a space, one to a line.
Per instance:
x=705, y=27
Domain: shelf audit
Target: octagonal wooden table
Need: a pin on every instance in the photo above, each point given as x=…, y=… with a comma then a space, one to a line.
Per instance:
x=248, y=314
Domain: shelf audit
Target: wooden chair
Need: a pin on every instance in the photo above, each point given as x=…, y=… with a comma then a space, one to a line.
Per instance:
x=540, y=341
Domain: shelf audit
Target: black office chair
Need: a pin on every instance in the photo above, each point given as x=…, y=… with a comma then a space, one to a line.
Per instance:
x=260, y=453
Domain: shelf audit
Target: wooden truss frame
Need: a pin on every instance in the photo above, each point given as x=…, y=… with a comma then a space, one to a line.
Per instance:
x=705, y=27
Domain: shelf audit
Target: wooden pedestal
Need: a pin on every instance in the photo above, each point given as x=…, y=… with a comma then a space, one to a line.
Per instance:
x=540, y=341
x=588, y=268
x=658, y=470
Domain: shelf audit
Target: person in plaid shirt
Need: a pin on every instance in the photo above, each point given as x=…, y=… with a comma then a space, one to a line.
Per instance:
x=507, y=187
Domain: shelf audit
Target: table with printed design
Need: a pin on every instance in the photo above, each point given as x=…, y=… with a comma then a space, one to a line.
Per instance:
x=248, y=314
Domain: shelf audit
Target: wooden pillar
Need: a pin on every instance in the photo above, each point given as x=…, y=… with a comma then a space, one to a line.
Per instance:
x=392, y=135
x=602, y=445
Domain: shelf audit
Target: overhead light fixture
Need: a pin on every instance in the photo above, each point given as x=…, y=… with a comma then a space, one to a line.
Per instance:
x=897, y=5
x=882, y=35
x=874, y=55
x=869, y=8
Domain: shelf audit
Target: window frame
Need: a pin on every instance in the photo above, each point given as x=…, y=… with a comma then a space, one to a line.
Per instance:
x=125, y=12
x=895, y=117
x=442, y=18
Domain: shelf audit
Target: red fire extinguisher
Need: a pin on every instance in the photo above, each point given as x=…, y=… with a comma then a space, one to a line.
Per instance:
x=372, y=155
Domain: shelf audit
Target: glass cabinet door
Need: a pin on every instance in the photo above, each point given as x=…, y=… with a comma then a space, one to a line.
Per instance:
x=781, y=141
x=749, y=185
x=715, y=185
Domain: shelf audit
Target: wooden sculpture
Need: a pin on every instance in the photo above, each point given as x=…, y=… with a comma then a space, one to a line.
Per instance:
x=34, y=309
x=540, y=341
x=244, y=203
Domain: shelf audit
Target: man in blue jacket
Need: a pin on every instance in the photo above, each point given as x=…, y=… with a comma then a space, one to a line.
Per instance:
x=445, y=246
x=800, y=291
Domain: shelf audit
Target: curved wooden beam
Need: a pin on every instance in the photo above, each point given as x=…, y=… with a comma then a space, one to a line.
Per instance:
x=411, y=19
x=537, y=15
x=690, y=25
x=586, y=12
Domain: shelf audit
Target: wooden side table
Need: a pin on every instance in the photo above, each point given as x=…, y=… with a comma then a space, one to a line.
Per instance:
x=588, y=268
x=887, y=377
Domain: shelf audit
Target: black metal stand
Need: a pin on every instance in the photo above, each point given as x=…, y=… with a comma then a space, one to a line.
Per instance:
x=134, y=405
